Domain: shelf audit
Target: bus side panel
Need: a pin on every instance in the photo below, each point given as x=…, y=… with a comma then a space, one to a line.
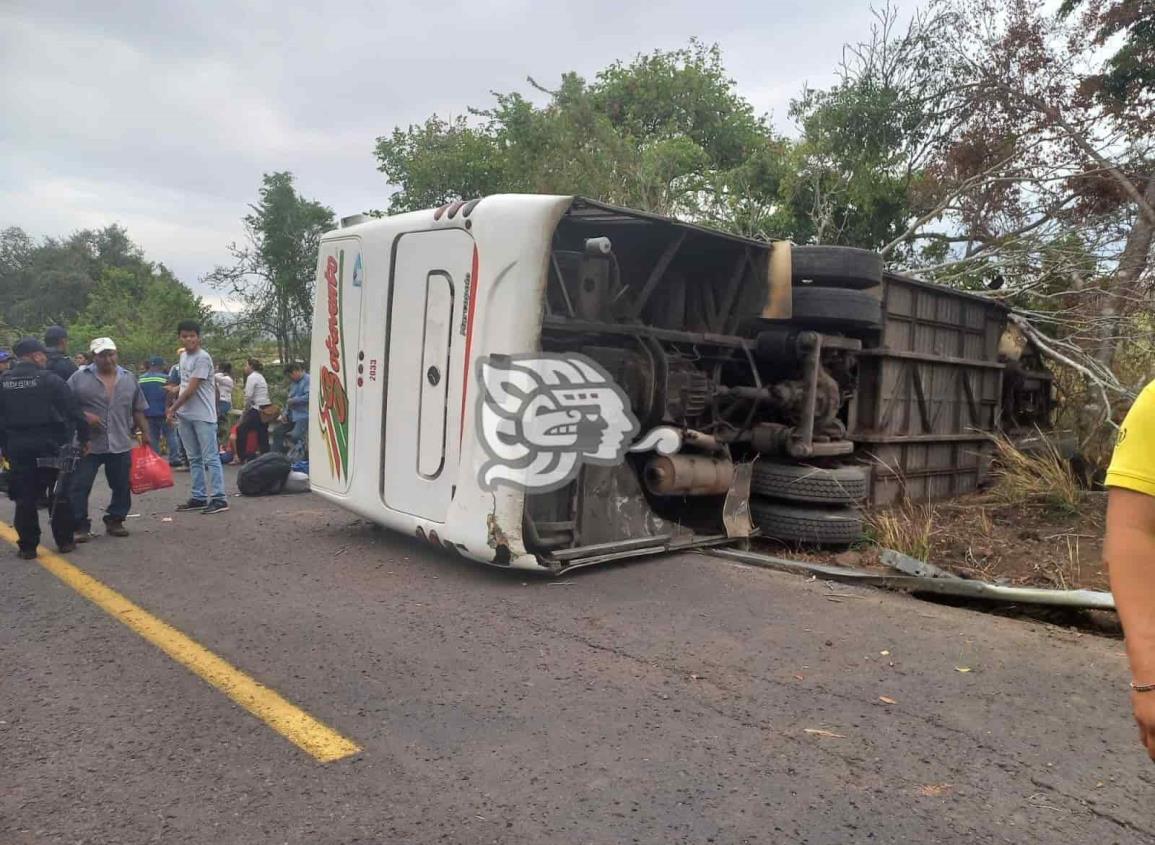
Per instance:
x=334, y=385
x=429, y=279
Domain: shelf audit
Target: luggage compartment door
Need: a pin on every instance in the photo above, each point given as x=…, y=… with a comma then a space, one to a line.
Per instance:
x=425, y=369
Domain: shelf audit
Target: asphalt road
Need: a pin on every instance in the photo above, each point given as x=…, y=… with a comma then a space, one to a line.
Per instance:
x=659, y=701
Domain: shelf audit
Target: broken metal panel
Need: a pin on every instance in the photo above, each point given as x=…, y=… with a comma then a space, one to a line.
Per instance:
x=1086, y=599
x=613, y=508
x=913, y=566
x=736, y=507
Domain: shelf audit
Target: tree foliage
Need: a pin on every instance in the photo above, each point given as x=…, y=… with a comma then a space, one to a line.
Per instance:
x=667, y=132
x=1001, y=143
x=97, y=283
x=139, y=308
x=272, y=275
x=50, y=282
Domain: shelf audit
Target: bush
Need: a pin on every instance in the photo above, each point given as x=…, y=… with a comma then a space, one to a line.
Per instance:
x=1038, y=476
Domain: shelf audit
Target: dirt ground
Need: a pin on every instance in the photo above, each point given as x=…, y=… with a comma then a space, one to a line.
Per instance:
x=979, y=537
x=1025, y=545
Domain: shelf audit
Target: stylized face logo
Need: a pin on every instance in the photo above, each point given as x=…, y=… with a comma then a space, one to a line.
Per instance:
x=542, y=416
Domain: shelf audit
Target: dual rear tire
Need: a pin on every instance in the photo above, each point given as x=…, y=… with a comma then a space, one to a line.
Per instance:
x=808, y=505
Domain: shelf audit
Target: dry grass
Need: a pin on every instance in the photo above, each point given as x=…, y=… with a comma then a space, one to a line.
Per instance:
x=906, y=528
x=1041, y=476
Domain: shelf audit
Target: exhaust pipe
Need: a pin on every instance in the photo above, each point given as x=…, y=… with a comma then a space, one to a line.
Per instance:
x=688, y=475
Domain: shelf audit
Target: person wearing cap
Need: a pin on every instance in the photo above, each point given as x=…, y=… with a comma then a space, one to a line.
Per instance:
x=56, y=339
x=38, y=416
x=152, y=385
x=114, y=406
x=5, y=361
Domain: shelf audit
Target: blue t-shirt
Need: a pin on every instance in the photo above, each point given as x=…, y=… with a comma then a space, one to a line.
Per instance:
x=152, y=386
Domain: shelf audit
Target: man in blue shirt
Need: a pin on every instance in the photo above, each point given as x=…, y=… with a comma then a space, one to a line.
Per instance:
x=296, y=425
x=177, y=459
x=152, y=385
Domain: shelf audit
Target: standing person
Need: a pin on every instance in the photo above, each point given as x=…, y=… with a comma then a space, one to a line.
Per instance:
x=196, y=409
x=177, y=459
x=5, y=361
x=114, y=406
x=225, y=386
x=152, y=385
x=1129, y=553
x=56, y=339
x=256, y=398
x=38, y=416
x=296, y=426
x=80, y=359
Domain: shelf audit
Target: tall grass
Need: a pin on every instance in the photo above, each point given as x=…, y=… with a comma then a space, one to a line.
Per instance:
x=1040, y=476
x=907, y=528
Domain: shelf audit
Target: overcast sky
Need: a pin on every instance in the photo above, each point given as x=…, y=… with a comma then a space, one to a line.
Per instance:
x=162, y=116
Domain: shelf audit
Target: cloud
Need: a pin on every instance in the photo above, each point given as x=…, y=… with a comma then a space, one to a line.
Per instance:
x=163, y=116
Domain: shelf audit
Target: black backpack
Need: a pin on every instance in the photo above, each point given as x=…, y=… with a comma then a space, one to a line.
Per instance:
x=264, y=475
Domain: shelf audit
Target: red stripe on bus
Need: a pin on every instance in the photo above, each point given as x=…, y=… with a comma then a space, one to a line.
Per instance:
x=468, y=343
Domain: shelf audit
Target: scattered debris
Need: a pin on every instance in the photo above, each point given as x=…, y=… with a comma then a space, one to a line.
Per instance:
x=819, y=732
x=886, y=699
x=963, y=669
x=1090, y=599
x=934, y=790
x=913, y=566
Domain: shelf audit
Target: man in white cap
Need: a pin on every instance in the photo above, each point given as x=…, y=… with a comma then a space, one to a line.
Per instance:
x=114, y=406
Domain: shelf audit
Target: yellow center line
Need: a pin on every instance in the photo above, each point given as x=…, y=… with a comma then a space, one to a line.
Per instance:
x=290, y=721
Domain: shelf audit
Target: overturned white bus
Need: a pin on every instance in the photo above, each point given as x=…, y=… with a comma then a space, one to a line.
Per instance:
x=546, y=382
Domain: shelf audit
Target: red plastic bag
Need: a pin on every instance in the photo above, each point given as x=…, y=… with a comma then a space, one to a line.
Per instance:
x=149, y=471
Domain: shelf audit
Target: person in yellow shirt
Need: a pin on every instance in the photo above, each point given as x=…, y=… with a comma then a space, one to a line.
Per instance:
x=1129, y=553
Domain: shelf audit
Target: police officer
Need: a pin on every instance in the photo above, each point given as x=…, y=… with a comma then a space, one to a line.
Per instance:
x=38, y=415
x=56, y=340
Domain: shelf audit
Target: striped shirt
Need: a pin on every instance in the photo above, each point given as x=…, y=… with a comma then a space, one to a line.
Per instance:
x=152, y=386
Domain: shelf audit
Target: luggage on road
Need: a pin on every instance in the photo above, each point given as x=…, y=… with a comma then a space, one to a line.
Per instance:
x=264, y=475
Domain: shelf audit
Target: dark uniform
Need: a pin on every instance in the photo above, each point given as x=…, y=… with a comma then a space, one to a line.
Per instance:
x=60, y=363
x=58, y=360
x=38, y=416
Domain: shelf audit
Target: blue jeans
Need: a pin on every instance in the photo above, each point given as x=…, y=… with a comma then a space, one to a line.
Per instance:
x=158, y=428
x=176, y=453
x=292, y=438
x=204, y=459
x=223, y=409
x=117, y=470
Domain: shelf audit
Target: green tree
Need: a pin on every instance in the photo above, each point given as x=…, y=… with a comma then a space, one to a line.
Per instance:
x=96, y=282
x=273, y=274
x=139, y=308
x=1126, y=80
x=50, y=282
x=666, y=132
